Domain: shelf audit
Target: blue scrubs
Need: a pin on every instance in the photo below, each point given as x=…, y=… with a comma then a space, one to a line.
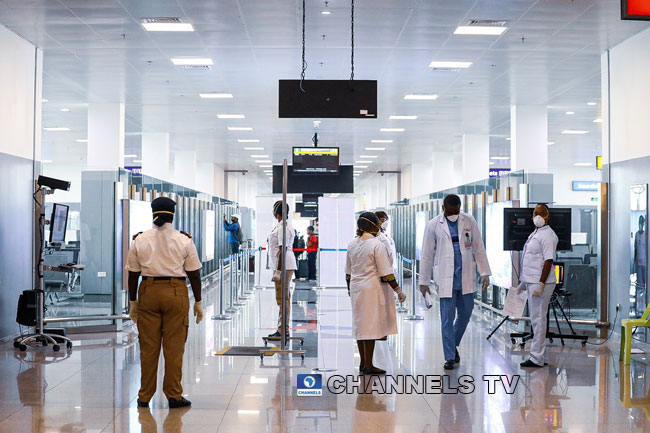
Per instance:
x=452, y=333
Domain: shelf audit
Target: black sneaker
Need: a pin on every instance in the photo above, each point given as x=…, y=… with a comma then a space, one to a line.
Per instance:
x=143, y=403
x=530, y=364
x=449, y=364
x=276, y=334
x=457, y=359
x=183, y=402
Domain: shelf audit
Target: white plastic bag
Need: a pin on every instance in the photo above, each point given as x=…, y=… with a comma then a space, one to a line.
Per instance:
x=382, y=358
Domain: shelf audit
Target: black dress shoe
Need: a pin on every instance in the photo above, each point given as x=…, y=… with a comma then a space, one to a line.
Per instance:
x=143, y=403
x=374, y=370
x=183, y=402
x=449, y=364
x=457, y=359
x=276, y=334
x=530, y=364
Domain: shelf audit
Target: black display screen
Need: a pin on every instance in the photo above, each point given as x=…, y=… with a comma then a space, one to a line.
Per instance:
x=342, y=183
x=316, y=160
x=518, y=225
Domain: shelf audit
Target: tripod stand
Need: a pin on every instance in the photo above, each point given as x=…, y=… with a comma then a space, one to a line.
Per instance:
x=39, y=336
x=555, y=305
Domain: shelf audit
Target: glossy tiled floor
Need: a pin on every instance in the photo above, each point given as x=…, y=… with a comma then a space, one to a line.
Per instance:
x=93, y=388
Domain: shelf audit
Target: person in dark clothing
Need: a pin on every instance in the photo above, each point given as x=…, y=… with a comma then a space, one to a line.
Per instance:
x=233, y=232
x=312, y=252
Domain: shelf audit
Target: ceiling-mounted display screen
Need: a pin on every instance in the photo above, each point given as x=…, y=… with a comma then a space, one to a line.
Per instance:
x=316, y=160
x=342, y=183
x=635, y=10
x=333, y=99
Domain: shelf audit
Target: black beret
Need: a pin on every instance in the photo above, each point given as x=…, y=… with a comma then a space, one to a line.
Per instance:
x=163, y=204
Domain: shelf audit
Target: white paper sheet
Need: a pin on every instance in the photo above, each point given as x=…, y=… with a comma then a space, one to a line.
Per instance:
x=515, y=304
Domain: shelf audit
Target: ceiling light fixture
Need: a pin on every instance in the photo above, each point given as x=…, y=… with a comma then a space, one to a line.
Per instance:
x=326, y=13
x=259, y=156
x=265, y=166
x=574, y=132
x=58, y=128
x=81, y=140
x=253, y=148
x=599, y=120
x=166, y=24
x=248, y=140
x=368, y=156
x=65, y=110
x=570, y=112
x=363, y=162
x=137, y=160
x=381, y=141
x=592, y=103
x=46, y=161
x=500, y=158
x=216, y=95
x=400, y=117
x=357, y=171
x=421, y=97
x=549, y=143
x=375, y=148
x=131, y=156
x=508, y=139
x=192, y=61
x=263, y=161
x=231, y=116
x=491, y=162
x=450, y=65
x=392, y=130
x=480, y=30
x=583, y=164
x=360, y=166
x=240, y=128
x=44, y=100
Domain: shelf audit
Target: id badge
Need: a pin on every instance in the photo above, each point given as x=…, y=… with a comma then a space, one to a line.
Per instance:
x=468, y=241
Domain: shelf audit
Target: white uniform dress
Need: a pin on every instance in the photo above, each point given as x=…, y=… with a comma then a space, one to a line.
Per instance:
x=373, y=303
x=389, y=243
x=274, y=240
x=540, y=246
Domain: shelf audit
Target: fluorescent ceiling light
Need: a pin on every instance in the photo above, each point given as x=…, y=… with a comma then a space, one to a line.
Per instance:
x=360, y=166
x=259, y=156
x=46, y=161
x=326, y=13
x=368, y=156
x=592, y=103
x=400, y=117
x=356, y=174
x=450, y=65
x=253, y=148
x=192, y=61
x=268, y=171
x=570, y=112
x=248, y=140
x=65, y=110
x=574, y=132
x=136, y=160
x=548, y=143
x=167, y=27
x=583, y=164
x=231, y=116
x=57, y=129
x=81, y=140
x=480, y=30
x=381, y=141
x=375, y=148
x=392, y=129
x=259, y=380
x=500, y=158
x=216, y=95
x=263, y=161
x=240, y=128
x=44, y=100
x=491, y=163
x=265, y=166
x=508, y=139
x=421, y=97
x=363, y=162
x=357, y=171
x=130, y=156
x=248, y=412
x=599, y=120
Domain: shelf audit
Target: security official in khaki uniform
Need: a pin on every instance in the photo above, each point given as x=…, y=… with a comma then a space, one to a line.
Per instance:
x=164, y=257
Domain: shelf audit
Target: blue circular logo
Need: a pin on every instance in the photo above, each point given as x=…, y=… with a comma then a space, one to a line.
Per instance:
x=309, y=381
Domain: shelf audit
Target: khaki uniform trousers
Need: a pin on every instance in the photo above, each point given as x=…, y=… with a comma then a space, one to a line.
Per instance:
x=278, y=300
x=163, y=319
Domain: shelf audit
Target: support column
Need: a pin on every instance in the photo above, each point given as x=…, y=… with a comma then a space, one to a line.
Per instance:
x=476, y=158
x=205, y=177
x=444, y=171
x=105, y=136
x=155, y=155
x=529, y=137
x=185, y=168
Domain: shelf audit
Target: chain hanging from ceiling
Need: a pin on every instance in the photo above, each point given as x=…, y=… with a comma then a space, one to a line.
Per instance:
x=304, y=62
x=352, y=42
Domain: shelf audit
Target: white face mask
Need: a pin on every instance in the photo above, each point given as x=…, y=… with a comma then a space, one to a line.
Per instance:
x=453, y=218
x=539, y=221
x=384, y=225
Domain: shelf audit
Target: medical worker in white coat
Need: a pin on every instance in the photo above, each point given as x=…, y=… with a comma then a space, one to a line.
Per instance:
x=387, y=240
x=277, y=252
x=367, y=267
x=451, y=250
x=538, y=279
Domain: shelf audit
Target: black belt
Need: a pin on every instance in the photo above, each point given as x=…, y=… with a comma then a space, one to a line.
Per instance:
x=163, y=278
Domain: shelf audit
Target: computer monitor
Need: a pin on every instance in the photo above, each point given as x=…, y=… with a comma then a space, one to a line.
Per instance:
x=58, y=222
x=558, y=268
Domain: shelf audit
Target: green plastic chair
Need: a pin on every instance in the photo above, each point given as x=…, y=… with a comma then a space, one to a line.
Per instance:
x=626, y=334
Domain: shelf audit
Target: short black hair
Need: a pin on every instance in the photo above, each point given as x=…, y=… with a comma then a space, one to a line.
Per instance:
x=277, y=208
x=368, y=223
x=310, y=228
x=451, y=200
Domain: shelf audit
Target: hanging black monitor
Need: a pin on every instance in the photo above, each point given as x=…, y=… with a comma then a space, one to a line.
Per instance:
x=342, y=183
x=338, y=99
x=316, y=160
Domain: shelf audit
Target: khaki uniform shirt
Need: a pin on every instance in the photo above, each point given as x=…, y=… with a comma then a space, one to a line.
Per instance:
x=163, y=252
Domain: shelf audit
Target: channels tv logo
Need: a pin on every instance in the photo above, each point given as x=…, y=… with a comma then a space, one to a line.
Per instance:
x=310, y=385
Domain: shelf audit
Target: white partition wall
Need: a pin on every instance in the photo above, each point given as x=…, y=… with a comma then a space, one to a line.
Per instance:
x=336, y=228
x=264, y=223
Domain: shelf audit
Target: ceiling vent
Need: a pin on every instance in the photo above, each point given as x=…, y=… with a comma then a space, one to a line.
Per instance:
x=487, y=23
x=196, y=67
x=162, y=20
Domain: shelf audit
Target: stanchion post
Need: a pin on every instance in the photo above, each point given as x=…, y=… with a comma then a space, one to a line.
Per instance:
x=232, y=308
x=413, y=316
x=221, y=315
x=400, y=279
x=258, y=269
x=239, y=294
x=247, y=265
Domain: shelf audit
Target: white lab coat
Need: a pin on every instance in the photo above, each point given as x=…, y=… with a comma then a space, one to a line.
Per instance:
x=389, y=243
x=373, y=303
x=437, y=258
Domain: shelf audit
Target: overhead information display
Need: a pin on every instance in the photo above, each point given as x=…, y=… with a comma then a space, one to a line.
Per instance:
x=316, y=160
